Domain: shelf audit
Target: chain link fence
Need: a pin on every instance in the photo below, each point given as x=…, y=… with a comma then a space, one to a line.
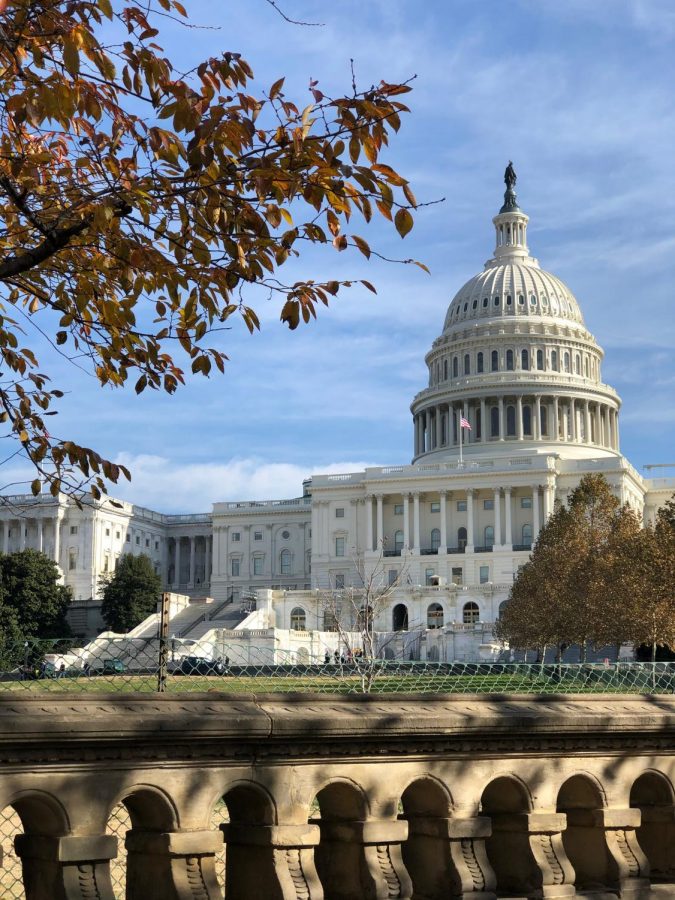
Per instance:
x=147, y=665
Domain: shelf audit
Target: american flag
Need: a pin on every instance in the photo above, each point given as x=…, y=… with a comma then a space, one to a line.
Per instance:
x=464, y=423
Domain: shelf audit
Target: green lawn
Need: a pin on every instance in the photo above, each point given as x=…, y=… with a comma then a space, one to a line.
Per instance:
x=345, y=684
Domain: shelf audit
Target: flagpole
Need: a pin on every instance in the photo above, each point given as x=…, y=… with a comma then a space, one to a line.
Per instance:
x=461, y=461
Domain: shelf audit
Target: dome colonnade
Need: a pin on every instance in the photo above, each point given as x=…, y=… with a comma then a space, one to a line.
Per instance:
x=515, y=360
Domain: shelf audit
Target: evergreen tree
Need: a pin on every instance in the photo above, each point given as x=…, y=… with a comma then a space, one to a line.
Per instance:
x=32, y=602
x=131, y=593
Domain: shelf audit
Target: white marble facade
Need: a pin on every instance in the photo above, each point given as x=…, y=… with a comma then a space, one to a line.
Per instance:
x=514, y=360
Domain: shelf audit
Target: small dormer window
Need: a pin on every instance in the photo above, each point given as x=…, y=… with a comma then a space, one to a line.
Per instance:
x=496, y=301
x=485, y=302
x=533, y=300
x=474, y=305
x=521, y=299
x=509, y=300
x=466, y=306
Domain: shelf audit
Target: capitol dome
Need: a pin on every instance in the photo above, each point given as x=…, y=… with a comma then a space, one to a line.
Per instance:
x=515, y=362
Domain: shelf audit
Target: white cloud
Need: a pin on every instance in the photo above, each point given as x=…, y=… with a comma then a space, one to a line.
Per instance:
x=168, y=486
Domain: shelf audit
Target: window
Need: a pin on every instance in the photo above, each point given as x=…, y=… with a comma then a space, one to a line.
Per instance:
x=455, y=367
x=457, y=577
x=488, y=504
x=484, y=574
x=128, y=538
x=445, y=369
x=509, y=300
x=485, y=302
x=479, y=362
x=106, y=563
x=554, y=360
x=398, y=542
x=510, y=421
x=435, y=538
x=398, y=509
x=494, y=361
x=73, y=529
x=392, y=577
x=399, y=617
x=527, y=534
x=286, y=534
x=107, y=532
x=521, y=300
x=428, y=577
x=461, y=506
x=577, y=365
x=72, y=559
x=509, y=360
x=138, y=540
x=502, y=607
x=330, y=622
x=494, y=422
x=461, y=538
x=566, y=359
x=339, y=546
x=236, y=536
x=467, y=364
x=526, y=502
x=339, y=581
x=474, y=305
x=285, y=562
x=298, y=619
x=234, y=567
x=544, y=420
x=435, y=616
x=540, y=359
x=470, y=613
x=488, y=536
x=340, y=512
x=257, y=535
x=147, y=542
x=527, y=419
x=156, y=545
x=258, y=565
x=117, y=535
x=524, y=360
x=496, y=301
x=435, y=506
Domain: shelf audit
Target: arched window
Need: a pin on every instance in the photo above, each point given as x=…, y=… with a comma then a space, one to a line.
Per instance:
x=527, y=535
x=494, y=422
x=540, y=359
x=502, y=607
x=470, y=613
x=479, y=362
x=298, y=619
x=577, y=365
x=524, y=360
x=488, y=536
x=527, y=419
x=566, y=360
x=495, y=361
x=285, y=562
x=461, y=538
x=435, y=538
x=467, y=364
x=509, y=360
x=399, y=617
x=435, y=616
x=398, y=542
x=554, y=360
x=455, y=367
x=586, y=366
x=544, y=420
x=510, y=421
x=496, y=301
x=445, y=369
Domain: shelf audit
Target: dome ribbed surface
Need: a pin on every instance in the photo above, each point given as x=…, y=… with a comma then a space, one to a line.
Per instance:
x=533, y=293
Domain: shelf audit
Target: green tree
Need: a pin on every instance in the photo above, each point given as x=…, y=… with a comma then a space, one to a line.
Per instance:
x=33, y=603
x=131, y=593
x=568, y=592
x=143, y=208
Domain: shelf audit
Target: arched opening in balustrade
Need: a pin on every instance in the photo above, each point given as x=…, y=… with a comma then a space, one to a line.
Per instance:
x=427, y=805
x=144, y=811
x=399, y=617
x=580, y=798
x=245, y=866
x=340, y=809
x=652, y=794
x=506, y=801
x=31, y=814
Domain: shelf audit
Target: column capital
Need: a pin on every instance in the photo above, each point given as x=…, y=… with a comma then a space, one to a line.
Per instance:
x=443, y=493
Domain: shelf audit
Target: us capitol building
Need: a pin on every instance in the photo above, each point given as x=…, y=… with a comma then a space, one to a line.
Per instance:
x=516, y=363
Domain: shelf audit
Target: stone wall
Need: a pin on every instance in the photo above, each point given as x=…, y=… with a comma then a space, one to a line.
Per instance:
x=293, y=797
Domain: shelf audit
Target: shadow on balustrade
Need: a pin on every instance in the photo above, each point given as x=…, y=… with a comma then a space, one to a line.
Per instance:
x=652, y=793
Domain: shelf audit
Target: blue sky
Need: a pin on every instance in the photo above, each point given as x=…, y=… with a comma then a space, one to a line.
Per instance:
x=578, y=94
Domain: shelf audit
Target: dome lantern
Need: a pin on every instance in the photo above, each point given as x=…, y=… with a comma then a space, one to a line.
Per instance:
x=510, y=223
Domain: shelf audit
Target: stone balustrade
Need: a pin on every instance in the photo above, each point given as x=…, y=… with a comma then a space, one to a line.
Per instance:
x=290, y=797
